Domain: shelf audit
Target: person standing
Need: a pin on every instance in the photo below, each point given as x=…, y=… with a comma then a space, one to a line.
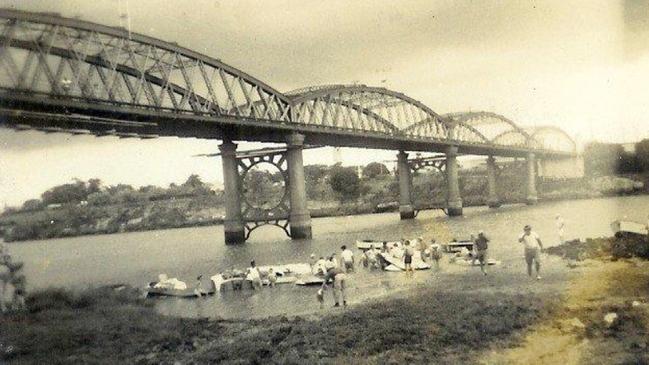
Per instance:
x=254, y=276
x=337, y=277
x=435, y=253
x=480, y=247
x=347, y=257
x=533, y=247
x=560, y=227
x=408, y=252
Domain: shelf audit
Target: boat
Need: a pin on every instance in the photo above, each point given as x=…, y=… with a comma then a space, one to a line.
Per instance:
x=367, y=244
x=457, y=246
x=151, y=291
x=620, y=227
x=307, y=280
x=465, y=262
x=397, y=263
x=285, y=274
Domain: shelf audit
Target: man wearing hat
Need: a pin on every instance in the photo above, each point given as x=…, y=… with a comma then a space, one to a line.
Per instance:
x=533, y=247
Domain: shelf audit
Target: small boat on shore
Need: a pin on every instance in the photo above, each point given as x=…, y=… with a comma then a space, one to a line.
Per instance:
x=183, y=293
x=308, y=280
x=176, y=288
x=457, y=246
x=620, y=227
x=284, y=274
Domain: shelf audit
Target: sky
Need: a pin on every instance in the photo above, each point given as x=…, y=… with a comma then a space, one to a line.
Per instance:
x=582, y=65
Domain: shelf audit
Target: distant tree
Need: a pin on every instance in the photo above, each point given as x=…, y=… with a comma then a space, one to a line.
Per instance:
x=345, y=182
x=315, y=173
x=32, y=205
x=195, y=186
x=115, y=189
x=66, y=193
x=99, y=198
x=193, y=182
x=374, y=169
x=602, y=158
x=642, y=154
x=93, y=186
x=259, y=188
x=628, y=163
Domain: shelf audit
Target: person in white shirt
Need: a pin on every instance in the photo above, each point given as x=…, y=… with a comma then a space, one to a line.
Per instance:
x=560, y=226
x=254, y=276
x=320, y=267
x=347, y=257
x=533, y=247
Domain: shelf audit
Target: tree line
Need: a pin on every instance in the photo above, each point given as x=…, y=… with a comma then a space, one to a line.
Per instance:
x=601, y=159
x=94, y=193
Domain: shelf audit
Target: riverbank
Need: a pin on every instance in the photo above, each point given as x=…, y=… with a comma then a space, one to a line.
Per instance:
x=457, y=316
x=108, y=326
x=74, y=221
x=604, y=316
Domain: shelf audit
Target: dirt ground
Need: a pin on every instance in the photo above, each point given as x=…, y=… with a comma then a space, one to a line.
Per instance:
x=577, y=332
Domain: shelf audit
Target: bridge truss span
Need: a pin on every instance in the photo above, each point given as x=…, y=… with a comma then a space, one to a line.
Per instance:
x=59, y=75
x=60, y=59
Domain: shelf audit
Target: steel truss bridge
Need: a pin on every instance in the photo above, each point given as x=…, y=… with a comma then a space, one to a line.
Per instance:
x=66, y=75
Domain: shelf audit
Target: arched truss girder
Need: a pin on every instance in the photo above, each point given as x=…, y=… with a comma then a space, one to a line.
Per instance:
x=69, y=58
x=511, y=138
x=552, y=138
x=365, y=108
x=495, y=127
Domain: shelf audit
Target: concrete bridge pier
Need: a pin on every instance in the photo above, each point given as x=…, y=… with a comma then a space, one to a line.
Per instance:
x=406, y=211
x=233, y=224
x=299, y=217
x=492, y=200
x=531, y=197
x=453, y=198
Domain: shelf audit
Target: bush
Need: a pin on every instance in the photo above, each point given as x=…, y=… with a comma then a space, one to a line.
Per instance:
x=345, y=183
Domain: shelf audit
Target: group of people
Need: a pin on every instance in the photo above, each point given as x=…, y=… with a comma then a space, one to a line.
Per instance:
x=334, y=274
x=532, y=248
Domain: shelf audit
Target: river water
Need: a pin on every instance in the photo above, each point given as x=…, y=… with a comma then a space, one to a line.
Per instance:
x=137, y=258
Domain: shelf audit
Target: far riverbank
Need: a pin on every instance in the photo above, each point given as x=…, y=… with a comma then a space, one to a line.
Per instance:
x=75, y=220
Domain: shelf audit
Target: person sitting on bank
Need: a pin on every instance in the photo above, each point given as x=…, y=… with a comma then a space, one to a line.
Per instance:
x=480, y=247
x=347, y=257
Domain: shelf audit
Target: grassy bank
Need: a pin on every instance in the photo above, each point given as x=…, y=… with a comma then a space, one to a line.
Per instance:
x=108, y=326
